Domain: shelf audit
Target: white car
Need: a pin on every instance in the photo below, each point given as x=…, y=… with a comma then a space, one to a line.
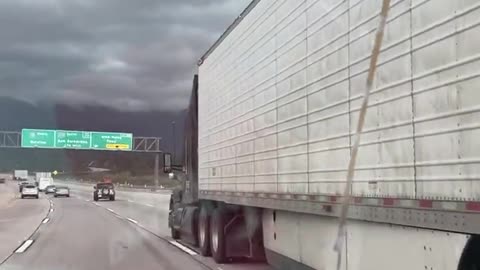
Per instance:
x=61, y=191
x=30, y=190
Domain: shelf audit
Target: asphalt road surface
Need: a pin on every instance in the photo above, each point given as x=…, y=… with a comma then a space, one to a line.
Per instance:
x=129, y=233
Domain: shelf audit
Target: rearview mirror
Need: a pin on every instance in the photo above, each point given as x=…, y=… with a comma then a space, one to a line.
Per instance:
x=167, y=162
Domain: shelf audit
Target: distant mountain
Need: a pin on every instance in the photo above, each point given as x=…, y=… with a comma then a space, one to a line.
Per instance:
x=15, y=115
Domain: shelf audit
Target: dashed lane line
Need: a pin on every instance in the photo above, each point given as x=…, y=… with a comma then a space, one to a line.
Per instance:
x=182, y=247
x=45, y=220
x=132, y=220
x=24, y=246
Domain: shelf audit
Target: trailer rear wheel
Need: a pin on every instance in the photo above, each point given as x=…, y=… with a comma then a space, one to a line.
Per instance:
x=217, y=235
x=204, y=231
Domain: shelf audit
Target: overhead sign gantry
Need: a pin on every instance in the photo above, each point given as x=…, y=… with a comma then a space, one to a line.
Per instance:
x=70, y=139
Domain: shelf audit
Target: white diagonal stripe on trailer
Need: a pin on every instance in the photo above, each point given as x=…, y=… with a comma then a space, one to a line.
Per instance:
x=184, y=248
x=24, y=246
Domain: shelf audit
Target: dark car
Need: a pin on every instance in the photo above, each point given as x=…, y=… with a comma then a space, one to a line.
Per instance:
x=21, y=185
x=104, y=191
x=50, y=189
x=2, y=180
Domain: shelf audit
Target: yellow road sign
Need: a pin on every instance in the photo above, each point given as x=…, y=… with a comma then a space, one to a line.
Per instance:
x=117, y=146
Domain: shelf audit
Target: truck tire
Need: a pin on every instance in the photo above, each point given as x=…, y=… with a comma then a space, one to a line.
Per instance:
x=204, y=231
x=23, y=197
x=217, y=235
x=36, y=197
x=95, y=198
x=112, y=198
x=175, y=233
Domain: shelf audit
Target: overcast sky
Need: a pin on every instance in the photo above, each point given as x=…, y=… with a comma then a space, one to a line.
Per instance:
x=128, y=54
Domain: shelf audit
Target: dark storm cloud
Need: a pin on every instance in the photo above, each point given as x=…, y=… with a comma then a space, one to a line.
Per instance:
x=131, y=55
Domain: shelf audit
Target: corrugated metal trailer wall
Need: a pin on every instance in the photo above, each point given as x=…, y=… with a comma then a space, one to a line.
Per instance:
x=279, y=99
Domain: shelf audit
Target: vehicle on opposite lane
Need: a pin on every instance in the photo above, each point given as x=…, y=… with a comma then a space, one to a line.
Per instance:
x=50, y=189
x=104, y=191
x=29, y=190
x=62, y=191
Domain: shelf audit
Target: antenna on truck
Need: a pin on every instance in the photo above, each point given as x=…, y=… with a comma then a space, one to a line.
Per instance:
x=347, y=196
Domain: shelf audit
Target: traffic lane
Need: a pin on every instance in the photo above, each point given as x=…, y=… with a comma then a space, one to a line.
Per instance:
x=146, y=198
x=8, y=192
x=81, y=235
x=19, y=221
x=155, y=220
x=152, y=216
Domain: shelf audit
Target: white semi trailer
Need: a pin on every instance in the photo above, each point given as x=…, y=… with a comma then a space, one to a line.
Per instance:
x=278, y=97
x=20, y=174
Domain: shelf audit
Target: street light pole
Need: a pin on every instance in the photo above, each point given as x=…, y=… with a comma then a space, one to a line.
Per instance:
x=156, y=167
x=174, y=142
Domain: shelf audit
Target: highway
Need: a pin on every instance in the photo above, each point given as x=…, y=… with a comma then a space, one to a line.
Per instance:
x=78, y=233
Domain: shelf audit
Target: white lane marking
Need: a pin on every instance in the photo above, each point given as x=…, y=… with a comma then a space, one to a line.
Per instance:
x=45, y=220
x=24, y=246
x=130, y=201
x=182, y=247
x=147, y=204
x=87, y=200
x=51, y=209
x=132, y=220
x=118, y=216
x=96, y=204
x=110, y=210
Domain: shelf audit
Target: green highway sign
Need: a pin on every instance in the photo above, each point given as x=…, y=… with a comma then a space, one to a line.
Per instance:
x=112, y=141
x=38, y=138
x=72, y=139
x=69, y=139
